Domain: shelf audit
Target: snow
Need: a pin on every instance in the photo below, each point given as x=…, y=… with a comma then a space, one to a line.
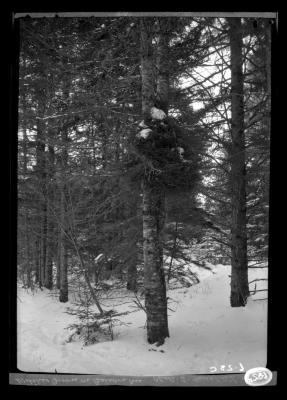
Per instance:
x=206, y=334
x=144, y=133
x=142, y=125
x=259, y=239
x=180, y=151
x=99, y=257
x=156, y=113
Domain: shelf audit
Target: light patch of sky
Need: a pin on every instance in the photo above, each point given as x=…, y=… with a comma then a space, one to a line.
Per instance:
x=214, y=76
x=248, y=39
x=81, y=128
x=174, y=112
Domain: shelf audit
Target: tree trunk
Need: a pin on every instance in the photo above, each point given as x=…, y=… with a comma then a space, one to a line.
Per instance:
x=49, y=258
x=63, y=226
x=50, y=219
x=239, y=263
x=63, y=252
x=268, y=73
x=130, y=212
x=38, y=263
x=28, y=253
x=153, y=207
x=58, y=260
x=132, y=277
x=44, y=233
x=40, y=168
x=154, y=279
x=28, y=268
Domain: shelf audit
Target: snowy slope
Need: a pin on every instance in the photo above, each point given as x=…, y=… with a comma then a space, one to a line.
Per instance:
x=206, y=334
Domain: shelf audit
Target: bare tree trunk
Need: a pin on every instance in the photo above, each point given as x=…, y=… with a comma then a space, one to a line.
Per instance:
x=63, y=251
x=58, y=260
x=131, y=212
x=28, y=267
x=49, y=257
x=63, y=226
x=239, y=263
x=38, y=262
x=268, y=57
x=40, y=167
x=43, y=228
x=50, y=221
x=28, y=253
x=268, y=73
x=153, y=206
x=154, y=279
x=132, y=277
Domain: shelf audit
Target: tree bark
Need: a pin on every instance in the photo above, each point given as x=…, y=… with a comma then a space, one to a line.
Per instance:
x=63, y=226
x=50, y=221
x=44, y=231
x=40, y=168
x=28, y=253
x=239, y=263
x=268, y=73
x=153, y=210
x=132, y=277
x=28, y=267
x=63, y=253
x=58, y=259
x=37, y=262
x=154, y=279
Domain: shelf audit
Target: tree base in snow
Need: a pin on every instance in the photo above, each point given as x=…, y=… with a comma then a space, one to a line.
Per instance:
x=48, y=285
x=63, y=298
x=238, y=300
x=157, y=335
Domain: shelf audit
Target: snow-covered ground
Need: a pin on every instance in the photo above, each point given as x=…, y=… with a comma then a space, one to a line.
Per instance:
x=206, y=334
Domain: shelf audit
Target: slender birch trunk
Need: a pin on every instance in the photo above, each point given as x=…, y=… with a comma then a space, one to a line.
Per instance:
x=153, y=210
